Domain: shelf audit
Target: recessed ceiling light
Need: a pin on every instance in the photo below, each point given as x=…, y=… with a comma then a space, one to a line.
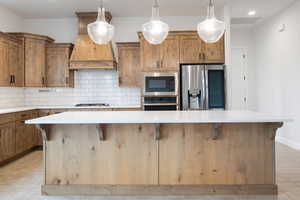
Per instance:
x=252, y=13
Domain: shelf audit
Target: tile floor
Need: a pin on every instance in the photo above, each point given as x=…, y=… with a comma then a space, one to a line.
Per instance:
x=21, y=180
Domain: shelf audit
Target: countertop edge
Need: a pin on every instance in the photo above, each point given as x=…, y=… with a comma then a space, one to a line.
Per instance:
x=21, y=109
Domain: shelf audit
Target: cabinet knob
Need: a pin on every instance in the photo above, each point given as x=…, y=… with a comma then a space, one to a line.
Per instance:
x=43, y=80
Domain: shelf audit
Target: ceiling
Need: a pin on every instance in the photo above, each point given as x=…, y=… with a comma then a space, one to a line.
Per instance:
x=132, y=8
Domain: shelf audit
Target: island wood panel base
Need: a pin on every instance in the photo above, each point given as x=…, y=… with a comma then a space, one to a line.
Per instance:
x=162, y=190
x=232, y=158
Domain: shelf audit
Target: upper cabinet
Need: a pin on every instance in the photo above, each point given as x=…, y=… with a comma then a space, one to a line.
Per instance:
x=180, y=47
x=4, y=69
x=34, y=58
x=215, y=52
x=129, y=66
x=191, y=49
x=194, y=50
x=57, y=70
x=163, y=57
x=11, y=68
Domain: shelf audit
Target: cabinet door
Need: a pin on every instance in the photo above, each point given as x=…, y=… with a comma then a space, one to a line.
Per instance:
x=15, y=64
x=150, y=56
x=24, y=136
x=58, y=67
x=170, y=54
x=35, y=62
x=214, y=53
x=4, y=65
x=7, y=141
x=129, y=65
x=191, y=49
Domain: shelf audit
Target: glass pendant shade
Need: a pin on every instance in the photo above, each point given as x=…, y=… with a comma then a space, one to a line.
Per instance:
x=211, y=29
x=155, y=31
x=100, y=31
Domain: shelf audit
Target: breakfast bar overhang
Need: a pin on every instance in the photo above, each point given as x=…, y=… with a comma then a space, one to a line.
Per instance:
x=159, y=153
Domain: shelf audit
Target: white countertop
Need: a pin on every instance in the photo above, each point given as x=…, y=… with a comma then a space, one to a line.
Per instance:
x=26, y=108
x=116, y=117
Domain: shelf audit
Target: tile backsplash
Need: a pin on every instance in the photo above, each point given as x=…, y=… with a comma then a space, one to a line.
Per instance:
x=91, y=86
x=11, y=97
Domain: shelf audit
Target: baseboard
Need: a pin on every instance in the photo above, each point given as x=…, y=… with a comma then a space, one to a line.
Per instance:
x=288, y=142
x=157, y=190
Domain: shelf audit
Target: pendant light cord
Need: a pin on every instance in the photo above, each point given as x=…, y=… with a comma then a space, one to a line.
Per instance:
x=210, y=10
x=155, y=4
x=101, y=4
x=155, y=10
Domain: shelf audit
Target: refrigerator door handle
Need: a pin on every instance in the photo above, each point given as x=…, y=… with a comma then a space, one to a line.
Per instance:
x=206, y=88
x=203, y=89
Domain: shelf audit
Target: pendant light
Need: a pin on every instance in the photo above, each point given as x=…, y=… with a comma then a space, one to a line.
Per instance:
x=155, y=31
x=211, y=29
x=100, y=31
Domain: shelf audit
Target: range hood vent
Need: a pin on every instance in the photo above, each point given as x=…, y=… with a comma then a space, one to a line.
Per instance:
x=86, y=53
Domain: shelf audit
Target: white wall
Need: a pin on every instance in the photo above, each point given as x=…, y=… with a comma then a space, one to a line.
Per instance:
x=277, y=56
x=63, y=30
x=126, y=28
x=10, y=22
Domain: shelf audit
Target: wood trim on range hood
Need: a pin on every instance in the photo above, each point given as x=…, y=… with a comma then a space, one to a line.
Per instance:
x=87, y=54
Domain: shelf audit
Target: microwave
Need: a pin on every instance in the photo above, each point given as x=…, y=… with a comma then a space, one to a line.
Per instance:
x=160, y=84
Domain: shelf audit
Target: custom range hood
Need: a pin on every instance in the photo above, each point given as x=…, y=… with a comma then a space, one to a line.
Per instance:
x=86, y=53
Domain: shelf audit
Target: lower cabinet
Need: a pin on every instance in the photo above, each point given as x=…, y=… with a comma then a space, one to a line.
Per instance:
x=16, y=137
x=25, y=137
x=7, y=141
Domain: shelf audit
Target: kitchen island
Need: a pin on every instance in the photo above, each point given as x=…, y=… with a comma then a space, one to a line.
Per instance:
x=159, y=153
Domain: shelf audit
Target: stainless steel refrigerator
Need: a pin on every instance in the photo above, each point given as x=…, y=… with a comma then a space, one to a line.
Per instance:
x=202, y=87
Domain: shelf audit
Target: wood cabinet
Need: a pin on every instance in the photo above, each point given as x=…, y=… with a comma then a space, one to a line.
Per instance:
x=191, y=49
x=57, y=71
x=194, y=50
x=35, y=63
x=34, y=58
x=163, y=57
x=7, y=140
x=180, y=47
x=16, y=137
x=26, y=135
x=129, y=65
x=4, y=65
x=215, y=52
x=15, y=63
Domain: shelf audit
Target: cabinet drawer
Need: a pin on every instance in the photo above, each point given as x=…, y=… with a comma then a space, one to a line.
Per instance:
x=24, y=115
x=6, y=118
